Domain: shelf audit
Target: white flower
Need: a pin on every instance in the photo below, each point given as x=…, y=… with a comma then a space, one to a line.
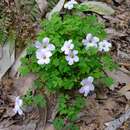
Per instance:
x=90, y=41
x=18, y=105
x=67, y=47
x=70, y=4
x=87, y=85
x=104, y=46
x=72, y=57
x=44, y=51
x=45, y=45
x=43, y=56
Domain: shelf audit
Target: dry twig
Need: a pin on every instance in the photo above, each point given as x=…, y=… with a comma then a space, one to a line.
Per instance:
x=117, y=123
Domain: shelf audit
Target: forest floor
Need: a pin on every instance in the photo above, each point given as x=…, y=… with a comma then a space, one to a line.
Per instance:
x=104, y=106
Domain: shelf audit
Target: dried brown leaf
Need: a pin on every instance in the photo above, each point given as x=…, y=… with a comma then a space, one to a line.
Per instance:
x=42, y=5
x=119, y=77
x=125, y=91
x=23, y=84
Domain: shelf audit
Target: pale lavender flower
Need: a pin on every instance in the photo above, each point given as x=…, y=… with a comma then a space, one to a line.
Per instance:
x=43, y=56
x=90, y=41
x=87, y=86
x=72, y=57
x=18, y=105
x=67, y=47
x=70, y=4
x=104, y=46
x=38, y=44
x=45, y=44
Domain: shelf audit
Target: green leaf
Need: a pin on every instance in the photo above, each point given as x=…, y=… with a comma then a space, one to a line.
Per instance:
x=91, y=51
x=71, y=126
x=24, y=60
x=97, y=74
x=108, y=81
x=28, y=98
x=39, y=100
x=31, y=50
x=68, y=84
x=108, y=63
x=24, y=70
x=84, y=67
x=37, y=84
x=58, y=123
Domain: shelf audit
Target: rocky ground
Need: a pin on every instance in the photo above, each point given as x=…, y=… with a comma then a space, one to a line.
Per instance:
x=107, y=105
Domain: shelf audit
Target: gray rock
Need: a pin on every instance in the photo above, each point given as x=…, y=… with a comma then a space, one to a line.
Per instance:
x=7, y=58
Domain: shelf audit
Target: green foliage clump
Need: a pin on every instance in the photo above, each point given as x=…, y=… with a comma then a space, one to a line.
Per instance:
x=35, y=100
x=70, y=109
x=59, y=124
x=58, y=76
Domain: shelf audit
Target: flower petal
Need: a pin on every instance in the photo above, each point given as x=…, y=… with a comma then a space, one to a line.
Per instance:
x=74, y=2
x=92, y=87
x=47, y=61
x=84, y=82
x=67, y=58
x=90, y=79
x=95, y=39
x=89, y=37
x=70, y=4
x=39, y=54
x=86, y=93
x=75, y=52
x=46, y=40
x=38, y=45
x=92, y=45
x=18, y=101
x=71, y=62
x=70, y=41
x=41, y=62
x=66, y=5
x=85, y=42
x=71, y=46
x=81, y=90
x=76, y=58
x=51, y=47
x=67, y=52
x=62, y=48
x=20, y=112
x=15, y=110
x=48, y=54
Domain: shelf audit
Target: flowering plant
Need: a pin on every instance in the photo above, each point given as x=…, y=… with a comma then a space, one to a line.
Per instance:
x=70, y=53
x=18, y=105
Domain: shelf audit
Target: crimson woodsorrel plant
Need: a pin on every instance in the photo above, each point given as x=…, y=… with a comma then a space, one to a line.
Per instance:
x=70, y=54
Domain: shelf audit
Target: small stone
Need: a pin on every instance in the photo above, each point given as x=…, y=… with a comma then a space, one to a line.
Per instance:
x=119, y=1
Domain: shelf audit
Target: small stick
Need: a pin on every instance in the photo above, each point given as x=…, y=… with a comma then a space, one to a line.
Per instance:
x=125, y=64
x=117, y=123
